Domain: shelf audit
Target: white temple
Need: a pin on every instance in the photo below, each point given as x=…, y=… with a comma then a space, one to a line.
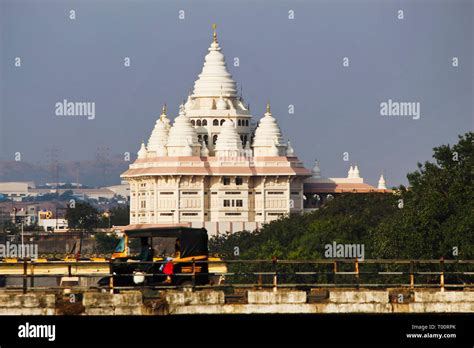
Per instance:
x=214, y=167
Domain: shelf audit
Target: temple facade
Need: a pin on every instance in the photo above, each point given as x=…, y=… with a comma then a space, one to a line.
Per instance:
x=215, y=167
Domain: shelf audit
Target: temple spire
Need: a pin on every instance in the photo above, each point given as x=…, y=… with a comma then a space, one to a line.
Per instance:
x=381, y=184
x=214, y=27
x=163, y=111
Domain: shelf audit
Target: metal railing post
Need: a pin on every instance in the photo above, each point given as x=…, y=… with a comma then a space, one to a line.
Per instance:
x=25, y=275
x=357, y=271
x=32, y=279
x=111, y=278
x=275, y=276
x=194, y=273
x=441, y=278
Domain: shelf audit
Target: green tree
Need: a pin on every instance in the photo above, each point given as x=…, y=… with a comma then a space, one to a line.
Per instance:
x=120, y=216
x=105, y=243
x=437, y=218
x=433, y=218
x=82, y=216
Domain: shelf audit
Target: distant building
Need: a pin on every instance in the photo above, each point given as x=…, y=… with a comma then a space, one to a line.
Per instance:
x=28, y=216
x=16, y=190
x=122, y=190
x=318, y=190
x=54, y=225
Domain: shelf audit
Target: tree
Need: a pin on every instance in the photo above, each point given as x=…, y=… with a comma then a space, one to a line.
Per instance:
x=105, y=243
x=82, y=216
x=436, y=218
x=120, y=216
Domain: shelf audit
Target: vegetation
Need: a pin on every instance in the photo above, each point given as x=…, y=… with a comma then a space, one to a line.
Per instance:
x=105, y=243
x=434, y=218
x=85, y=216
x=82, y=216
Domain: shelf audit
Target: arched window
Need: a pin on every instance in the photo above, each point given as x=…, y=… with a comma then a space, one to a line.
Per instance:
x=215, y=122
x=200, y=138
x=222, y=122
x=206, y=139
x=192, y=122
x=239, y=123
x=245, y=139
x=242, y=138
x=198, y=123
x=204, y=122
x=247, y=123
x=214, y=139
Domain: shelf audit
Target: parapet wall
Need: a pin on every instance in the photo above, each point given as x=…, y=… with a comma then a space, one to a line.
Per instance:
x=244, y=302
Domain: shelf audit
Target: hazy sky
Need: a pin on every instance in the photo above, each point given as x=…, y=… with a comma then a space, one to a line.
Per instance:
x=288, y=61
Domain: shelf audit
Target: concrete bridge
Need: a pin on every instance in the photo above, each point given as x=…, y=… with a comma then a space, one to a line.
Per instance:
x=242, y=301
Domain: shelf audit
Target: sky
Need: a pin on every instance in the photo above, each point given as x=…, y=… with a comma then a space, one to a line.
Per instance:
x=298, y=61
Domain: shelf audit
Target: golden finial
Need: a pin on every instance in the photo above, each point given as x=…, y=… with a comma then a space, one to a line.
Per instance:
x=268, y=106
x=214, y=26
x=163, y=111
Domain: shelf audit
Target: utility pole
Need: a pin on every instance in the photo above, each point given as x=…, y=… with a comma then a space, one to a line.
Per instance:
x=22, y=242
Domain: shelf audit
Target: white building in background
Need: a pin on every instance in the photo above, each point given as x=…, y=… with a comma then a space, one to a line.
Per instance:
x=16, y=190
x=214, y=167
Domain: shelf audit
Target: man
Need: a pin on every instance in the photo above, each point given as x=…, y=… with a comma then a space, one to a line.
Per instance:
x=146, y=254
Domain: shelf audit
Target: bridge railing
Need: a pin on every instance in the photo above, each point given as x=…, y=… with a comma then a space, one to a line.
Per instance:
x=334, y=273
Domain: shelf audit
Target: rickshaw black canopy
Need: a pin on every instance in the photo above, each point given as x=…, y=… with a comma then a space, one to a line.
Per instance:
x=193, y=240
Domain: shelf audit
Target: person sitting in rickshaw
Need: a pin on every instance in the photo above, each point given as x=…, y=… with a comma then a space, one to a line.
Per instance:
x=146, y=254
x=167, y=267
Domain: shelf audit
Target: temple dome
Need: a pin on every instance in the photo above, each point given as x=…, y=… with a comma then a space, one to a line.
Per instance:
x=214, y=77
x=228, y=142
x=142, y=153
x=267, y=135
x=221, y=104
x=350, y=173
x=182, y=135
x=289, y=150
x=316, y=171
x=159, y=135
x=356, y=172
x=381, y=185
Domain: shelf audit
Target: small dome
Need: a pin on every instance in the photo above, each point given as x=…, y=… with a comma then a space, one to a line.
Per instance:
x=267, y=135
x=228, y=143
x=289, y=150
x=159, y=135
x=316, y=171
x=381, y=185
x=350, y=173
x=142, y=153
x=221, y=104
x=356, y=172
x=182, y=132
x=268, y=132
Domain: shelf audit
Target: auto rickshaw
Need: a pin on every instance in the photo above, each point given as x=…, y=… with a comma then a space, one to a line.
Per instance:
x=164, y=256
